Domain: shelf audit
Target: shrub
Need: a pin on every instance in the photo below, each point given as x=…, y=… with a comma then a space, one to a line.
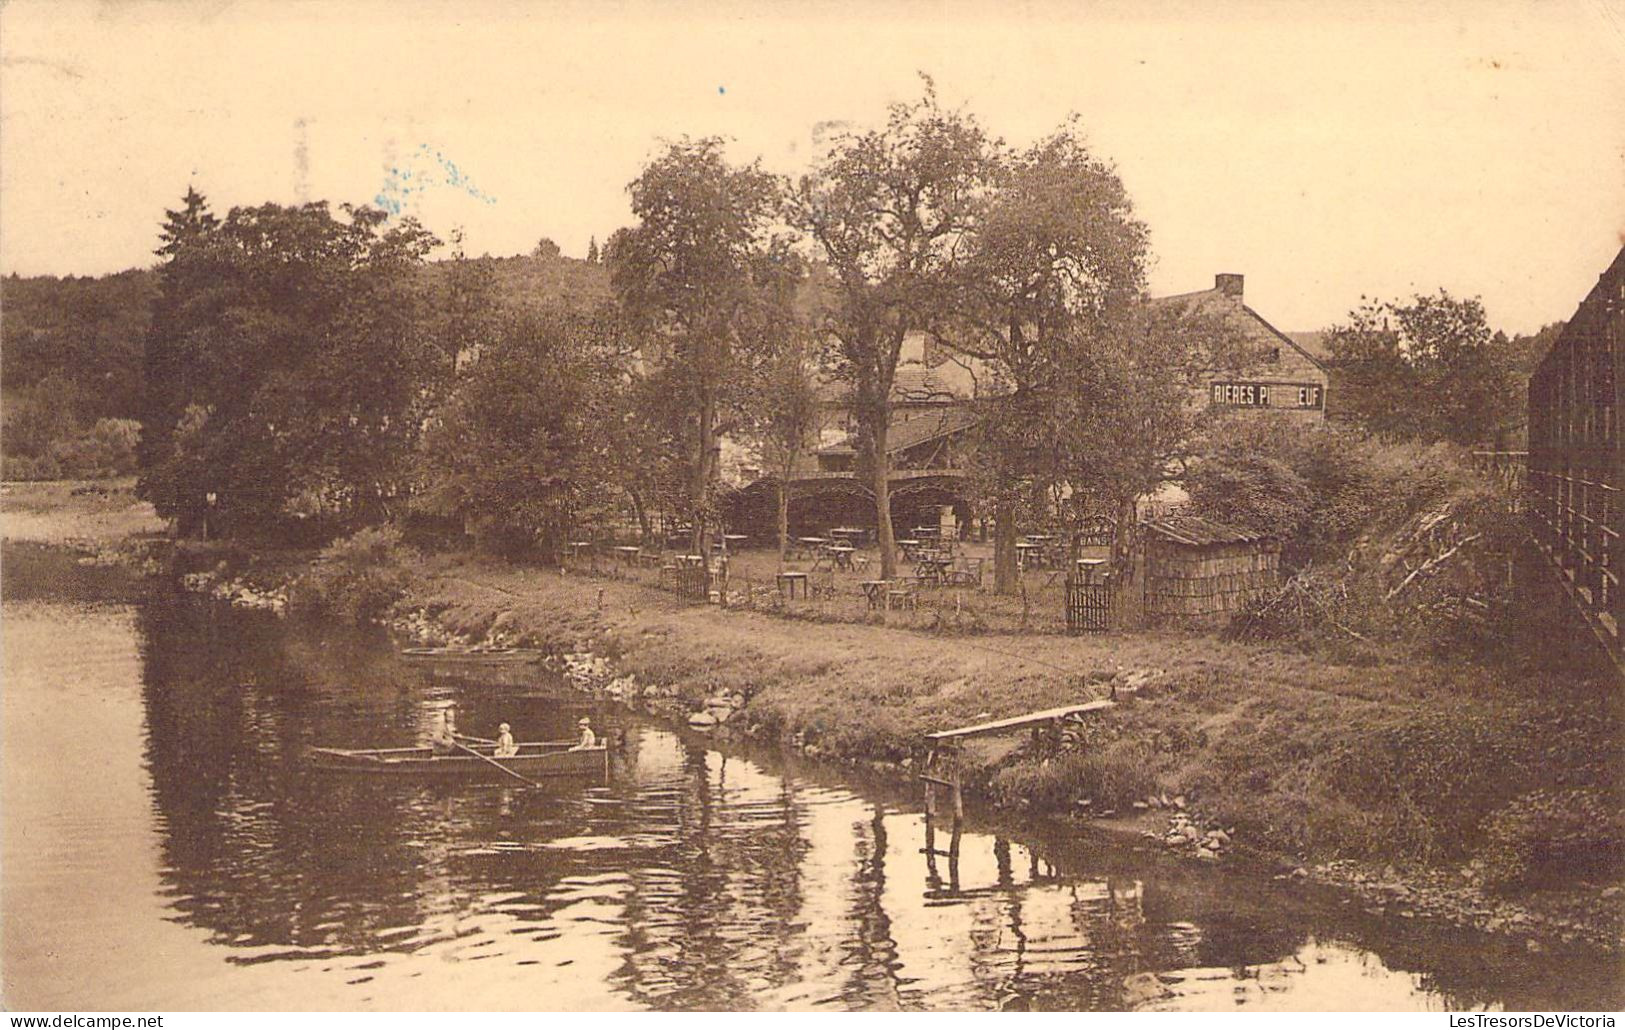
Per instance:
x=357, y=578
x=1322, y=488
x=105, y=449
x=1112, y=777
x=1552, y=835
x=22, y=468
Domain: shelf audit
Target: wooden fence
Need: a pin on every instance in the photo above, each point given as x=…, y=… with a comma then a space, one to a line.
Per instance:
x=1577, y=458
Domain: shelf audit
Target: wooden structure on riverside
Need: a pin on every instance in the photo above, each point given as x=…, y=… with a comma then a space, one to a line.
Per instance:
x=1198, y=571
x=1577, y=459
x=944, y=761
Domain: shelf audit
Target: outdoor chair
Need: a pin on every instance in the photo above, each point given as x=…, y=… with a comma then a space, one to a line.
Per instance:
x=902, y=594
x=967, y=572
x=874, y=591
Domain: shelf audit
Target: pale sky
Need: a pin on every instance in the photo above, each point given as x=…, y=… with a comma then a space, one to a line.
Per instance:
x=1324, y=150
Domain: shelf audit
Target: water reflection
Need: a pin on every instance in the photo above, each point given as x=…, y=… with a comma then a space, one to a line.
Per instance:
x=690, y=880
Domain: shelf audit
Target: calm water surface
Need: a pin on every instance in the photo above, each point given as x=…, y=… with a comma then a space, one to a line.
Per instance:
x=166, y=847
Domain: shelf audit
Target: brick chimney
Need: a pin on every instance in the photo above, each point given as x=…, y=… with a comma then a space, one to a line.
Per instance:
x=1229, y=284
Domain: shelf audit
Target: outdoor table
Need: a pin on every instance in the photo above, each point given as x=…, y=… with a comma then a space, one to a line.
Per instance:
x=909, y=546
x=811, y=543
x=691, y=559
x=789, y=580
x=842, y=553
x=628, y=553
x=1029, y=553
x=931, y=532
x=730, y=539
x=875, y=591
x=1089, y=568
x=933, y=568
x=851, y=534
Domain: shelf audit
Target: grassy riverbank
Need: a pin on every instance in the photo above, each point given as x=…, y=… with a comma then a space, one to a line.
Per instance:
x=86, y=512
x=1439, y=788
x=1467, y=775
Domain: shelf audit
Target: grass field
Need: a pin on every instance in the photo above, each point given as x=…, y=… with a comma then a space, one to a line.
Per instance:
x=64, y=511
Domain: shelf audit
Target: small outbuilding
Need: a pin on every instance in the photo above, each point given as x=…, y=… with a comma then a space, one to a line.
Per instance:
x=1199, y=572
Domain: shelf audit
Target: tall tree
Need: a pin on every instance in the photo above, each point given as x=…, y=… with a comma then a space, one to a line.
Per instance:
x=184, y=278
x=1126, y=413
x=1056, y=260
x=786, y=415
x=270, y=315
x=1429, y=369
x=515, y=443
x=890, y=210
x=698, y=276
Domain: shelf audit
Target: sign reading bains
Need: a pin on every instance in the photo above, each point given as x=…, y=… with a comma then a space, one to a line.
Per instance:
x=1267, y=395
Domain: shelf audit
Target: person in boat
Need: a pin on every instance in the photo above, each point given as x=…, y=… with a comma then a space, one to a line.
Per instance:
x=443, y=737
x=588, y=737
x=505, y=748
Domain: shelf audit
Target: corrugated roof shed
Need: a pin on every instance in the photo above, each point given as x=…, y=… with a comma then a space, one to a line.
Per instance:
x=1199, y=532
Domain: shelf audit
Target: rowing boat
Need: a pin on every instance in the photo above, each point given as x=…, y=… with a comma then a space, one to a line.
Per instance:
x=534, y=760
x=475, y=656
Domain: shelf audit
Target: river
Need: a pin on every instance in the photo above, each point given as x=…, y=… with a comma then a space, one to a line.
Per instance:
x=166, y=846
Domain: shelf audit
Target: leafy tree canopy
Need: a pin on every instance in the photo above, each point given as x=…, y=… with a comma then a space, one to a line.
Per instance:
x=1427, y=369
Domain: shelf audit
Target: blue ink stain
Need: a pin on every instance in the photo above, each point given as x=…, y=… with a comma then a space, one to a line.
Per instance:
x=403, y=183
x=722, y=89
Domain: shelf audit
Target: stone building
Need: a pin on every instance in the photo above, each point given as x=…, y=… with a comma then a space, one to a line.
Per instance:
x=1285, y=377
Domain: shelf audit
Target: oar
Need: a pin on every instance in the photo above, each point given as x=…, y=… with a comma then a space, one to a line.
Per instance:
x=499, y=765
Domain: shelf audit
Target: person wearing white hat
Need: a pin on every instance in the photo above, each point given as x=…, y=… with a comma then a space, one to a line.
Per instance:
x=588, y=737
x=505, y=748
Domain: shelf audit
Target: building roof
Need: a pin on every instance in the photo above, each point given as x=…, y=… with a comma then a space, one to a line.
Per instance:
x=921, y=383
x=1257, y=327
x=911, y=433
x=913, y=383
x=1313, y=344
x=1199, y=532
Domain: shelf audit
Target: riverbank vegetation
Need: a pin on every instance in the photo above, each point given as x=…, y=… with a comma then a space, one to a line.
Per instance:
x=1398, y=547
x=1510, y=782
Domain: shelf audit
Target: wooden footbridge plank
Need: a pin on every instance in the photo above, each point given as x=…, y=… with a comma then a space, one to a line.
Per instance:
x=1017, y=722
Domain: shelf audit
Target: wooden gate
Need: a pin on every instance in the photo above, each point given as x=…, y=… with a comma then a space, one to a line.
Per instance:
x=1088, y=606
x=697, y=583
x=693, y=583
